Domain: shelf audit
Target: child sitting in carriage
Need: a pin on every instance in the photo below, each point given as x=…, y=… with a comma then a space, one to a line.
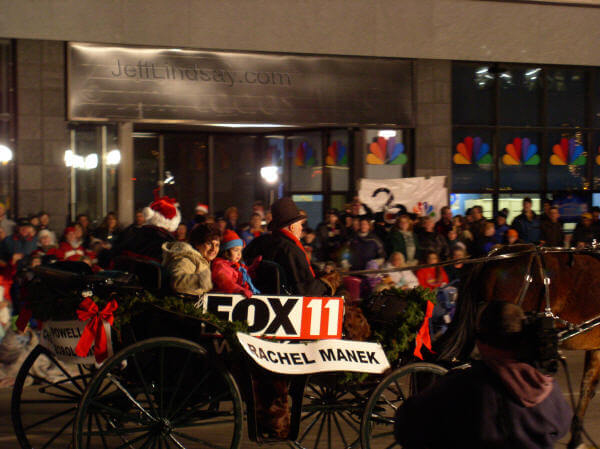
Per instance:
x=229, y=275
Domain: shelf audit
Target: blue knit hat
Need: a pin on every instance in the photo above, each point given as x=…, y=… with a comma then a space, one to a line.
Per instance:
x=230, y=240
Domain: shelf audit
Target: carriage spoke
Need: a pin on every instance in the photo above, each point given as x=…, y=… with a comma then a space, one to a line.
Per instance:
x=161, y=383
x=179, y=380
x=328, y=430
x=339, y=429
x=319, y=433
x=198, y=407
x=57, y=434
x=349, y=422
x=50, y=418
x=400, y=392
x=101, y=431
x=129, y=443
x=176, y=441
x=144, y=384
x=191, y=393
x=48, y=385
x=310, y=426
x=383, y=435
x=65, y=372
x=131, y=398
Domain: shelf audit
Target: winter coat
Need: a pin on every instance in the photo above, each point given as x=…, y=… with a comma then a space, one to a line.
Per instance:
x=227, y=278
x=395, y=242
x=145, y=242
x=583, y=234
x=474, y=409
x=432, y=241
x=529, y=230
x=17, y=245
x=247, y=236
x=279, y=248
x=428, y=277
x=188, y=271
x=365, y=248
x=552, y=233
x=67, y=252
x=329, y=238
x=500, y=232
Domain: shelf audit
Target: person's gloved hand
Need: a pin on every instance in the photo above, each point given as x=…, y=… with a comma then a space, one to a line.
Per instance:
x=333, y=280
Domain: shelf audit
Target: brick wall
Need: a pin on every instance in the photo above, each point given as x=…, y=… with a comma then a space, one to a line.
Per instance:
x=42, y=134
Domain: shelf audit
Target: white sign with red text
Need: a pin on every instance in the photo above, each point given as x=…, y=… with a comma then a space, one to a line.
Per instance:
x=61, y=338
x=283, y=317
x=315, y=357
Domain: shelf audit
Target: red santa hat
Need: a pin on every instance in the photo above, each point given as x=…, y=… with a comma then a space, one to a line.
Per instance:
x=201, y=208
x=163, y=213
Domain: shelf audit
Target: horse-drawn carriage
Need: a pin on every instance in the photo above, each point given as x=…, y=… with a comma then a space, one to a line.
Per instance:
x=183, y=376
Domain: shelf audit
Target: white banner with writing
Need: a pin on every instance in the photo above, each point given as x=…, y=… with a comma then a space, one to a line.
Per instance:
x=422, y=196
x=315, y=357
x=283, y=317
x=61, y=338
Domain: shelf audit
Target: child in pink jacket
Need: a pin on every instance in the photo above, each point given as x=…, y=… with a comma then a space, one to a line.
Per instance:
x=229, y=275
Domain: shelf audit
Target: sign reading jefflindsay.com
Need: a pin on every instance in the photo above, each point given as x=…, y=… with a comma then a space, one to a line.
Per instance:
x=154, y=84
x=315, y=357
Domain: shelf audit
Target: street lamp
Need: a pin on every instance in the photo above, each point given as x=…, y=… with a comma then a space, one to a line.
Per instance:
x=6, y=155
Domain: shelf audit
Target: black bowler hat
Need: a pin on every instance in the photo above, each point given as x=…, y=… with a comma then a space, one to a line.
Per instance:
x=284, y=212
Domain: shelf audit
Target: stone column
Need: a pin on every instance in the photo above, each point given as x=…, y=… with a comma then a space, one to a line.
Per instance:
x=433, y=145
x=126, y=173
x=42, y=135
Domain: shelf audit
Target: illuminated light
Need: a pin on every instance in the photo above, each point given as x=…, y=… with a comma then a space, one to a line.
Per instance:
x=386, y=133
x=481, y=70
x=91, y=161
x=6, y=154
x=532, y=71
x=74, y=160
x=113, y=157
x=250, y=125
x=505, y=75
x=270, y=174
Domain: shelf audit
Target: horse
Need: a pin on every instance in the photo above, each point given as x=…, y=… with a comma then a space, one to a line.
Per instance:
x=558, y=281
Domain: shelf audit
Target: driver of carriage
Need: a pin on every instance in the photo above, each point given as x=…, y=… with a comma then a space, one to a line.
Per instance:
x=501, y=402
x=188, y=264
x=283, y=246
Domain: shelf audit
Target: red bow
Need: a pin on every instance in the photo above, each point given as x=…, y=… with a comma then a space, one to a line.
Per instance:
x=94, y=330
x=423, y=337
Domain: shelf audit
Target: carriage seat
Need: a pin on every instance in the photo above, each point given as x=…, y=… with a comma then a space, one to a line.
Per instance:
x=271, y=279
x=149, y=272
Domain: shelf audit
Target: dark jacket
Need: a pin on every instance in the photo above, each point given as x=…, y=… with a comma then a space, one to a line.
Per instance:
x=473, y=409
x=583, y=234
x=432, y=241
x=552, y=233
x=329, y=238
x=365, y=248
x=395, y=243
x=529, y=230
x=145, y=241
x=279, y=248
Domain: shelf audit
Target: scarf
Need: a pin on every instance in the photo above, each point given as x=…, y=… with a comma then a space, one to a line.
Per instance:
x=294, y=239
x=246, y=279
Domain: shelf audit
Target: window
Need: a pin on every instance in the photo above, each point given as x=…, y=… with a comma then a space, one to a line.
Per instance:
x=542, y=124
x=6, y=126
x=386, y=153
x=305, y=152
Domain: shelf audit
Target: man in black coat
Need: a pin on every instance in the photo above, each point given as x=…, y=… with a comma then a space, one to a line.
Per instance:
x=283, y=246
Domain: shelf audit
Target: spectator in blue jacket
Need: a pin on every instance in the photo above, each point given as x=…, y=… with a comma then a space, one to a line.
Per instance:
x=22, y=243
x=528, y=223
x=501, y=226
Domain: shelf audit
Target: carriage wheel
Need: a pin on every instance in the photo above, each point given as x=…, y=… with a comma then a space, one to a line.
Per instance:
x=160, y=393
x=377, y=426
x=331, y=414
x=45, y=399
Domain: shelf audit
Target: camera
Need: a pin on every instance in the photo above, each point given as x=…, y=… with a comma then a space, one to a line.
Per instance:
x=540, y=342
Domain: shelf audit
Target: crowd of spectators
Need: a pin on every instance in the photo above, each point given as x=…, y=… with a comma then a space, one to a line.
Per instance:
x=352, y=239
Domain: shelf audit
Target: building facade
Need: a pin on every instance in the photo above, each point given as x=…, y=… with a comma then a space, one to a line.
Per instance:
x=489, y=86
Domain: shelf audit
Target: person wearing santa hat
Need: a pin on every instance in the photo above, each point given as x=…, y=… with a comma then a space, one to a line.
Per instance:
x=72, y=248
x=188, y=264
x=201, y=212
x=229, y=275
x=162, y=218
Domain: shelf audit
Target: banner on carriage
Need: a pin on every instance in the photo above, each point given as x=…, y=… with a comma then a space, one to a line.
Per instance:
x=315, y=357
x=282, y=317
x=61, y=338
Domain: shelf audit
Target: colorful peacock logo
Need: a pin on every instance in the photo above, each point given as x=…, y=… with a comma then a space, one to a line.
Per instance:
x=598, y=156
x=386, y=151
x=521, y=151
x=424, y=209
x=567, y=152
x=305, y=155
x=472, y=147
x=337, y=154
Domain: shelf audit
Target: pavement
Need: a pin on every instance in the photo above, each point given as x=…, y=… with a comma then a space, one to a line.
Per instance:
x=575, y=364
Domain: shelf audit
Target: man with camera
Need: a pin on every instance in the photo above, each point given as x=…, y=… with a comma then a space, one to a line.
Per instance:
x=503, y=401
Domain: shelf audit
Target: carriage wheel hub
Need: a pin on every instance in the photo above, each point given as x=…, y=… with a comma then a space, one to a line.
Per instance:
x=165, y=426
